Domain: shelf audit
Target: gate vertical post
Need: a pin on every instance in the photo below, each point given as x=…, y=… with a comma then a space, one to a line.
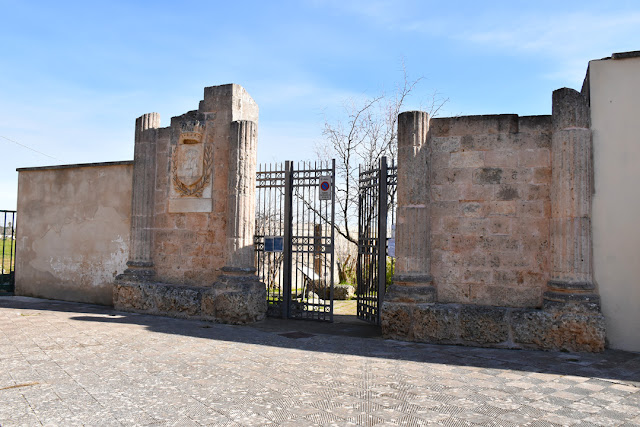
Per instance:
x=333, y=223
x=382, y=233
x=287, y=247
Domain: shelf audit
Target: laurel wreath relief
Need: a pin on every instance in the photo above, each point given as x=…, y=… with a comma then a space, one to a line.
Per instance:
x=197, y=187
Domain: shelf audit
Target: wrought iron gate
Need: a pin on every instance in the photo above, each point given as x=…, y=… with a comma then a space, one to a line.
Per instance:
x=294, y=238
x=7, y=250
x=376, y=202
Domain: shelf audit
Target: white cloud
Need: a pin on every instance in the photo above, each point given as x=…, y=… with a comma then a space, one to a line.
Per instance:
x=559, y=36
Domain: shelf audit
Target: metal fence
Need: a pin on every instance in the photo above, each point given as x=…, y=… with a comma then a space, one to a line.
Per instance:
x=376, y=220
x=294, y=238
x=8, y=250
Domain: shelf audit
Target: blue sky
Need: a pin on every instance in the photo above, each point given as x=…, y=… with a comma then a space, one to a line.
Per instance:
x=75, y=75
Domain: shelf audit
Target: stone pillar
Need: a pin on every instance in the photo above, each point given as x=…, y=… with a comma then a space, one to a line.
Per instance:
x=238, y=296
x=241, y=207
x=412, y=281
x=571, y=189
x=140, y=264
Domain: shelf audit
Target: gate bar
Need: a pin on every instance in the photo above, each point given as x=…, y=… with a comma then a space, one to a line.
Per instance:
x=287, y=259
x=333, y=223
x=382, y=234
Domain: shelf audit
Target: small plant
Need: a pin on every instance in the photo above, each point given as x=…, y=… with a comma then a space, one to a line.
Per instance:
x=391, y=269
x=347, y=270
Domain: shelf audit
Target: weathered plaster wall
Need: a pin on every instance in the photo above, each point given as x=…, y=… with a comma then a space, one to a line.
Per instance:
x=615, y=104
x=490, y=209
x=73, y=233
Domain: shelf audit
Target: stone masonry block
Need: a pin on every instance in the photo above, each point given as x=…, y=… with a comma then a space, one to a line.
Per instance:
x=440, y=161
x=485, y=176
x=396, y=319
x=515, y=260
x=451, y=176
x=559, y=331
x=438, y=323
x=506, y=243
x=524, y=141
x=464, y=243
x=477, y=276
x=131, y=297
x=534, y=124
x=467, y=159
x=475, y=260
x=541, y=176
x=446, y=192
x=472, y=209
x=451, y=225
x=446, y=144
x=440, y=242
x=484, y=325
x=500, y=159
x=453, y=292
x=177, y=301
x=469, y=125
x=502, y=208
x=507, y=192
x=539, y=158
x=476, y=193
x=530, y=327
x=474, y=226
x=537, y=192
x=507, y=296
x=534, y=209
x=500, y=225
x=440, y=209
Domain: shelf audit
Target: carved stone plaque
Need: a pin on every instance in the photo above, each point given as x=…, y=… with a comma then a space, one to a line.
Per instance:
x=192, y=162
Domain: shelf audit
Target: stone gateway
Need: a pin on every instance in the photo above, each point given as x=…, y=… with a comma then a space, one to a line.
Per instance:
x=494, y=234
x=191, y=250
x=495, y=241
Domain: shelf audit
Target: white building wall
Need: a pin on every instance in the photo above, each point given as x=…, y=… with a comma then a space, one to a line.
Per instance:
x=615, y=117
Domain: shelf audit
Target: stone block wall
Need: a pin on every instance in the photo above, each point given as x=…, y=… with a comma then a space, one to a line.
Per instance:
x=189, y=232
x=493, y=234
x=188, y=247
x=193, y=213
x=490, y=209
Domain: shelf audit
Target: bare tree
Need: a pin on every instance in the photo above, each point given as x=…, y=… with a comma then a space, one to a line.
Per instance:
x=367, y=133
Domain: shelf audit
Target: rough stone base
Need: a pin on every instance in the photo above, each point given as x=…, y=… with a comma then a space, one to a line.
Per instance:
x=232, y=299
x=501, y=327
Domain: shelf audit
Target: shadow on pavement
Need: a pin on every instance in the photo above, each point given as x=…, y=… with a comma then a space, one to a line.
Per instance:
x=355, y=338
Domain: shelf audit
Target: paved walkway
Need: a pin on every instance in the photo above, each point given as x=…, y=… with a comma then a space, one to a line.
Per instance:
x=76, y=364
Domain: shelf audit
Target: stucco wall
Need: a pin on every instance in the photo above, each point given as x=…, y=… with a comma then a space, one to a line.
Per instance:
x=73, y=232
x=615, y=108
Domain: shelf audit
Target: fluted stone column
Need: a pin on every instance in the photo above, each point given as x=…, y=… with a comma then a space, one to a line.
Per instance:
x=571, y=189
x=241, y=198
x=140, y=264
x=412, y=281
x=238, y=296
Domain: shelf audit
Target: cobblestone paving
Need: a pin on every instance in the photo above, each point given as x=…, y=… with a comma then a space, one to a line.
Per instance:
x=76, y=364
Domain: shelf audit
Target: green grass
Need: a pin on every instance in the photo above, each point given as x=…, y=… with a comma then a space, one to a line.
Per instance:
x=8, y=246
